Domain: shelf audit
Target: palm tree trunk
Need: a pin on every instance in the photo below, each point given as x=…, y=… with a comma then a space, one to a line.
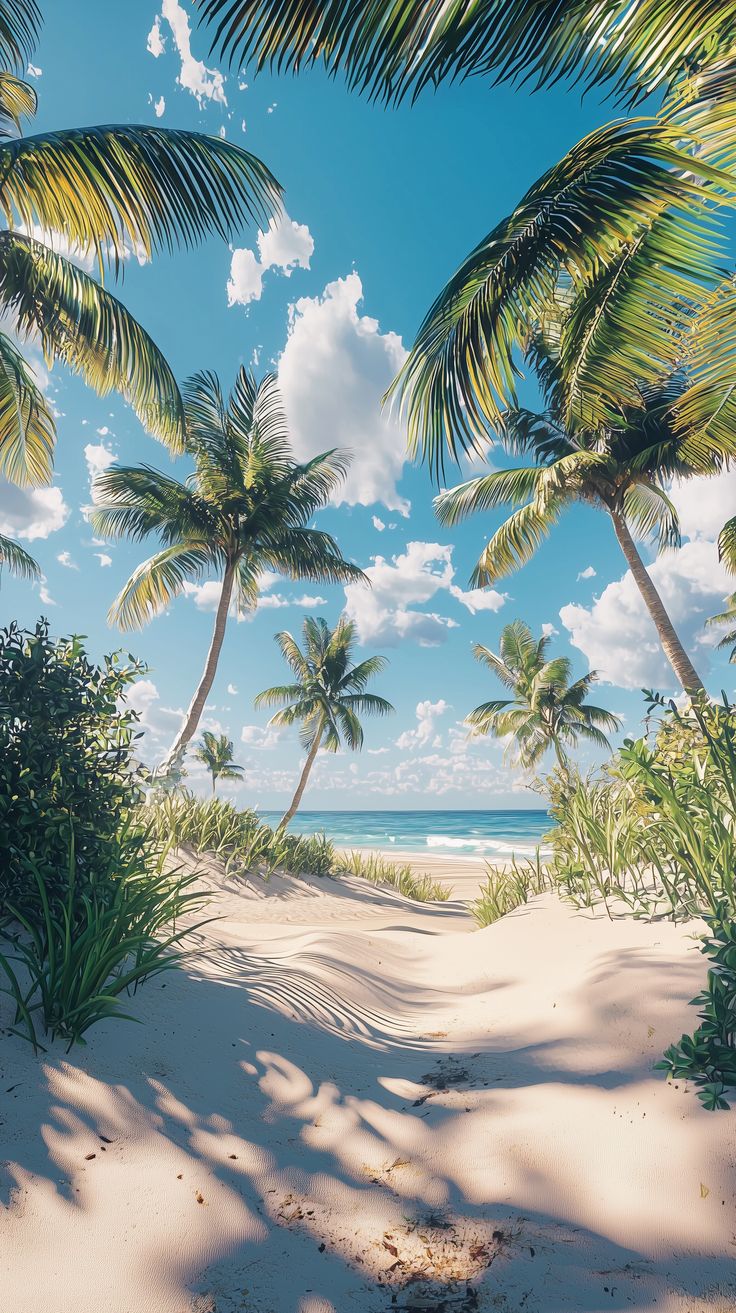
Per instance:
x=673, y=649
x=196, y=706
x=301, y=786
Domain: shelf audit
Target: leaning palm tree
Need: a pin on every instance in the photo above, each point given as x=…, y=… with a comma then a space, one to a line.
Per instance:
x=244, y=510
x=100, y=193
x=622, y=470
x=216, y=753
x=545, y=710
x=17, y=560
x=327, y=695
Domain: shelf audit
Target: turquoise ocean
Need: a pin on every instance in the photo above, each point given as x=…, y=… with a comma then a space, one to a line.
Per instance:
x=489, y=834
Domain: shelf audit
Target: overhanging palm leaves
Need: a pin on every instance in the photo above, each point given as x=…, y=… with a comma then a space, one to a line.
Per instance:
x=546, y=710
x=394, y=48
x=109, y=191
x=246, y=509
x=17, y=560
x=328, y=694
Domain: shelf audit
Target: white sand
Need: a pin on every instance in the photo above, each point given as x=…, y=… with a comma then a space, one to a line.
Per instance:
x=353, y=1104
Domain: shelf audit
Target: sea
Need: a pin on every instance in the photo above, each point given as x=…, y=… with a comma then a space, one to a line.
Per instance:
x=498, y=834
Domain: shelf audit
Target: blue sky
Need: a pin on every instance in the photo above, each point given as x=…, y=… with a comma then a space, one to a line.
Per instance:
x=381, y=206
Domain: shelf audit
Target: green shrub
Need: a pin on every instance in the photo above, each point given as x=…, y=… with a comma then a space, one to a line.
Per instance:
x=508, y=887
x=708, y=1057
x=69, y=964
x=65, y=758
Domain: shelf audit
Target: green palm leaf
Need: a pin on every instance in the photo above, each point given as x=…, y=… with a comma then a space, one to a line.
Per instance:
x=115, y=187
x=27, y=429
x=20, y=23
x=19, y=562
x=78, y=322
x=157, y=581
x=17, y=100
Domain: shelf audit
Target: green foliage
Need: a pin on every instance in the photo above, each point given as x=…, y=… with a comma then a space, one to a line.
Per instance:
x=65, y=762
x=373, y=867
x=508, y=887
x=708, y=1057
x=216, y=753
x=657, y=829
x=70, y=961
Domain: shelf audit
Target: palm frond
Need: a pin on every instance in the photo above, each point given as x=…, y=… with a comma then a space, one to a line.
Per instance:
x=311, y=554
x=27, y=427
x=459, y=379
x=110, y=188
x=705, y=415
x=727, y=544
x=79, y=322
x=391, y=49
x=20, y=25
x=17, y=560
x=18, y=100
x=132, y=501
x=157, y=581
x=485, y=492
x=648, y=510
x=514, y=543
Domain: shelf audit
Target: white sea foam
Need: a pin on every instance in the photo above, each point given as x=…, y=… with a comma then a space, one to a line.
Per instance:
x=499, y=846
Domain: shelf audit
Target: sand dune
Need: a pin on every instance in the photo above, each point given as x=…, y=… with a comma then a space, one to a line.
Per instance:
x=349, y=1103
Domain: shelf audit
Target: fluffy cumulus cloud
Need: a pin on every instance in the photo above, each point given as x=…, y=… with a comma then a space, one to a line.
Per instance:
x=387, y=611
x=65, y=559
x=587, y=573
x=284, y=246
x=263, y=738
x=207, y=596
x=616, y=633
x=31, y=512
x=159, y=723
x=205, y=84
x=425, y=730
x=98, y=457
x=333, y=371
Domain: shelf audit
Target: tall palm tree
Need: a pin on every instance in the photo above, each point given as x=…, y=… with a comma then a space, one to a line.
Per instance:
x=546, y=710
x=17, y=560
x=327, y=695
x=216, y=753
x=628, y=216
x=623, y=470
x=100, y=192
x=245, y=509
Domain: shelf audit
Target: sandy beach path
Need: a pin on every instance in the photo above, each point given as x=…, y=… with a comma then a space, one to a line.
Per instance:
x=349, y=1103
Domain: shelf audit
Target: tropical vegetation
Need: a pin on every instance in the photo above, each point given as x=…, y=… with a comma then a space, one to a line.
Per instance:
x=548, y=709
x=328, y=693
x=246, y=509
x=215, y=751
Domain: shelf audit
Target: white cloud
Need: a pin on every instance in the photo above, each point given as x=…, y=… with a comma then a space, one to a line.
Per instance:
x=205, y=84
x=257, y=736
x=307, y=600
x=385, y=611
x=33, y=71
x=428, y=713
x=285, y=245
x=232, y=690
x=207, y=596
x=704, y=505
x=479, y=599
x=103, y=559
x=587, y=573
x=378, y=524
x=99, y=458
x=65, y=559
x=59, y=242
x=549, y=631
x=159, y=107
x=159, y=723
x=44, y=593
x=616, y=633
x=31, y=512
x=333, y=372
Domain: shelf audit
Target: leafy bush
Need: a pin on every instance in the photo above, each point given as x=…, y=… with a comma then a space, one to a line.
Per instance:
x=71, y=963
x=65, y=758
x=508, y=887
x=709, y=1056
x=657, y=829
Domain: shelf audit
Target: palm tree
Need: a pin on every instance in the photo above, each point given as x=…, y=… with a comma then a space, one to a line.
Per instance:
x=17, y=560
x=100, y=192
x=627, y=218
x=327, y=695
x=216, y=753
x=245, y=509
x=546, y=709
x=622, y=470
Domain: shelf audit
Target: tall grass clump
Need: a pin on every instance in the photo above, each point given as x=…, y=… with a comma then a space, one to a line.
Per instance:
x=87, y=912
x=508, y=887
x=372, y=867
